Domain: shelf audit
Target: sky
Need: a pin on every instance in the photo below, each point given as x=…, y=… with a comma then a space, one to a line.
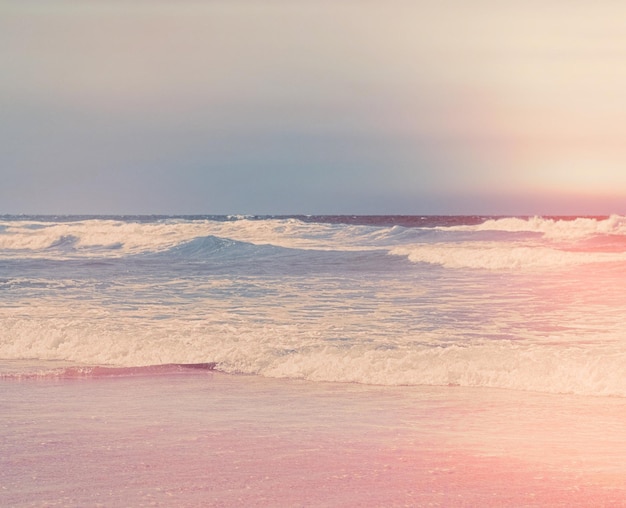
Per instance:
x=318, y=106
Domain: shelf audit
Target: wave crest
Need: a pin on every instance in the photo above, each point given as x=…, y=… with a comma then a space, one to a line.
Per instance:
x=494, y=256
x=553, y=228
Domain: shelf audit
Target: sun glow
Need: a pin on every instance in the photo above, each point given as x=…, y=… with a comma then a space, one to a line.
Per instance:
x=581, y=175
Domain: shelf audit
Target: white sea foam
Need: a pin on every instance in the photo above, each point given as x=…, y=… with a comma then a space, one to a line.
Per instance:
x=560, y=229
x=118, y=238
x=47, y=239
x=115, y=238
x=291, y=352
x=496, y=256
x=284, y=298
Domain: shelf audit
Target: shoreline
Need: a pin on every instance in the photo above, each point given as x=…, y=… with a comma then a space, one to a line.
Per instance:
x=206, y=438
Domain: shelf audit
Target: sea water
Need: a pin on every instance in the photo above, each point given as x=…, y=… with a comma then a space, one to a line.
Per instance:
x=476, y=349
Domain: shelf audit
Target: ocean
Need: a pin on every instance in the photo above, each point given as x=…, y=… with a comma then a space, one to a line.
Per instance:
x=312, y=361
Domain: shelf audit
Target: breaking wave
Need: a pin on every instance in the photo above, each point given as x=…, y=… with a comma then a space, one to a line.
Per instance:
x=549, y=368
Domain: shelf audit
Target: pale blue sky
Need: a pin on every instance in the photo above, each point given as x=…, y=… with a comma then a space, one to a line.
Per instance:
x=249, y=106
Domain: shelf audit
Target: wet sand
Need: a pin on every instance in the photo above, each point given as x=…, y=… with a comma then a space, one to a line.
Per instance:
x=203, y=438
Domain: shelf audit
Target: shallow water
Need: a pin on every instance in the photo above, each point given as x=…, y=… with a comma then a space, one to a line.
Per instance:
x=529, y=304
x=312, y=361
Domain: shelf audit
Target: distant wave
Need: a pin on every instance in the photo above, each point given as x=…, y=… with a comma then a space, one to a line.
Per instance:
x=495, y=256
x=562, y=229
x=109, y=238
x=515, y=243
x=501, y=243
x=209, y=246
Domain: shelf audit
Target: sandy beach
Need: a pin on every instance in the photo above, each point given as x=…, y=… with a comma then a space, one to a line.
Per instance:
x=203, y=438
